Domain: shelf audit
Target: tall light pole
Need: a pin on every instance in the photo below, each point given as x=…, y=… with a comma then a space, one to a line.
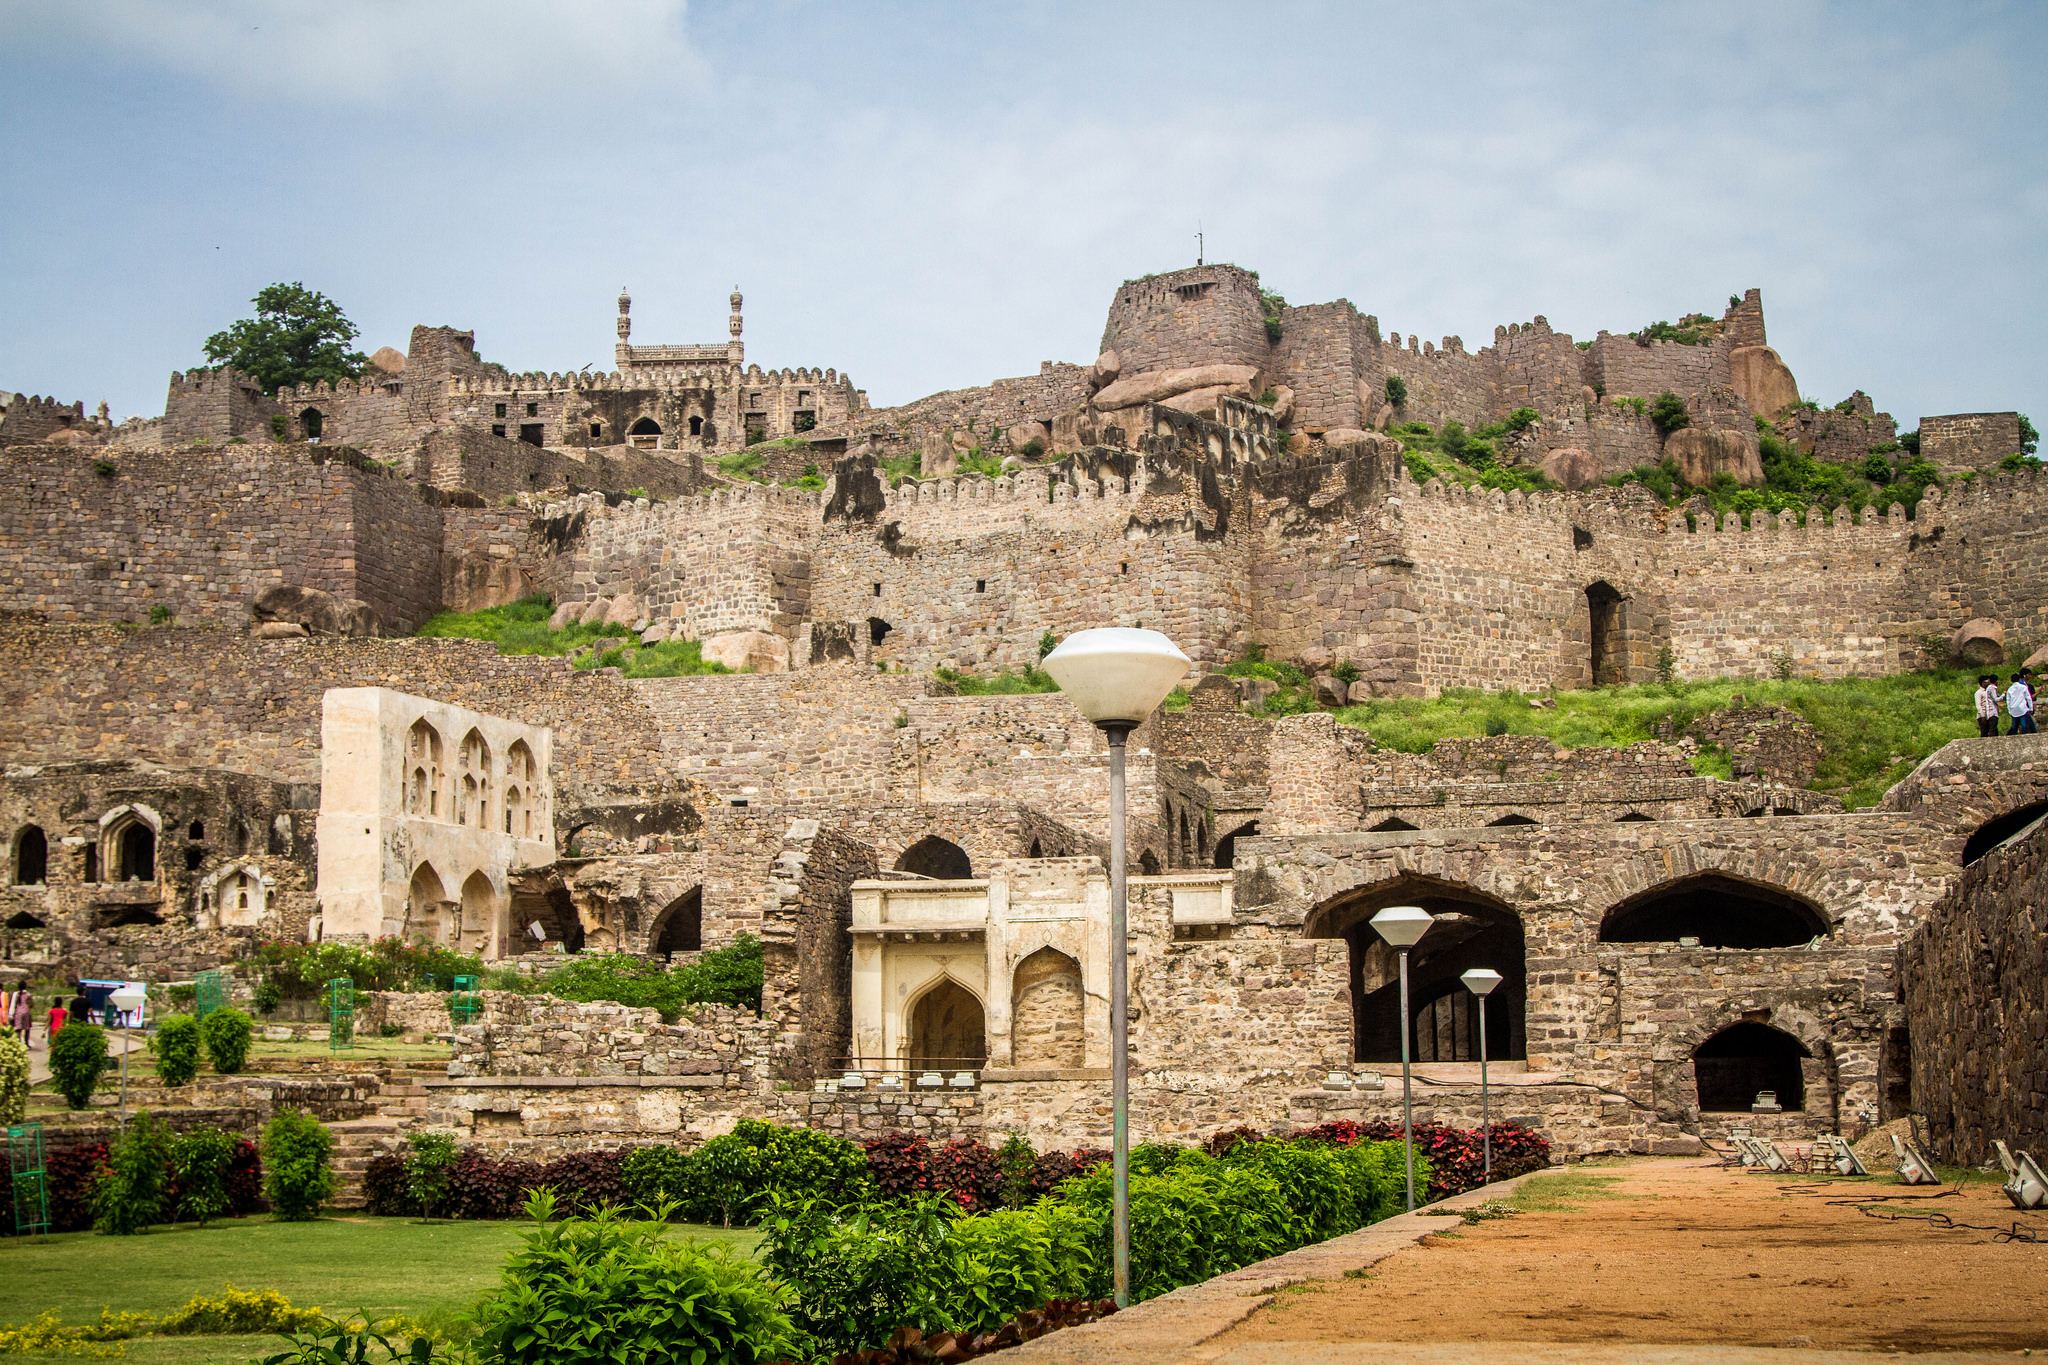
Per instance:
x=1401, y=926
x=1118, y=677
x=1481, y=981
x=126, y=998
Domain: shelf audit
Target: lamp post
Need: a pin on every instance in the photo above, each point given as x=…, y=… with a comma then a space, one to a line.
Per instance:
x=1481, y=981
x=1118, y=677
x=1401, y=926
x=126, y=998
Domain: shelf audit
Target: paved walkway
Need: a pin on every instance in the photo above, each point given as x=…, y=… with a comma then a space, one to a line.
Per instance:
x=39, y=1054
x=1675, y=1263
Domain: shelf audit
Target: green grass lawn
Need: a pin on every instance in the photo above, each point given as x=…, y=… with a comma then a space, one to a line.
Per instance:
x=522, y=628
x=1873, y=730
x=386, y=1266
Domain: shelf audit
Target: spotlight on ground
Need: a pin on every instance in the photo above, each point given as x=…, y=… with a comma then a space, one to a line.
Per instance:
x=1914, y=1167
x=2025, y=1184
x=1834, y=1148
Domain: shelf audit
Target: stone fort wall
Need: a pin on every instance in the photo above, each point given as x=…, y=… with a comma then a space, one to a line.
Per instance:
x=85, y=537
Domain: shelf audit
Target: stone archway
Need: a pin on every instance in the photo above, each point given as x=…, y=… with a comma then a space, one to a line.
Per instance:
x=1719, y=910
x=1745, y=1059
x=680, y=929
x=1047, y=1012
x=948, y=1029
x=938, y=858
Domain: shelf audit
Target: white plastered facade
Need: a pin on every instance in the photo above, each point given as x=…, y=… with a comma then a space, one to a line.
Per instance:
x=425, y=811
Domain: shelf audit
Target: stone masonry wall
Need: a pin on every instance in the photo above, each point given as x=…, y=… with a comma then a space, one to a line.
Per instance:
x=1969, y=440
x=1202, y=316
x=1977, y=1009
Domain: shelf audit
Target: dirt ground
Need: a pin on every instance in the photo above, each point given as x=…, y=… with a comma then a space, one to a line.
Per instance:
x=1679, y=1252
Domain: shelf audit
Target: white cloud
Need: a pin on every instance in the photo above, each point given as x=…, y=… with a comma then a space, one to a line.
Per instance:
x=382, y=53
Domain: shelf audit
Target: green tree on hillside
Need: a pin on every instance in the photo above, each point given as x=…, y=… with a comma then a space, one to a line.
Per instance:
x=298, y=336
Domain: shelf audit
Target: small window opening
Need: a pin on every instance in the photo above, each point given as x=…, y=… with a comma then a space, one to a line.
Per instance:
x=193, y=857
x=596, y=430
x=533, y=433
x=92, y=863
x=878, y=630
x=497, y=428
x=878, y=589
x=198, y=830
x=981, y=585
x=31, y=857
x=696, y=426
x=309, y=420
x=533, y=409
x=499, y=411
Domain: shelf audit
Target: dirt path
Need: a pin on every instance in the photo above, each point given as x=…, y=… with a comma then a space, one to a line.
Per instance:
x=1677, y=1252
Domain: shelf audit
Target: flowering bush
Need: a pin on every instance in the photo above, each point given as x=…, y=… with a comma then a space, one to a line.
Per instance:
x=1456, y=1155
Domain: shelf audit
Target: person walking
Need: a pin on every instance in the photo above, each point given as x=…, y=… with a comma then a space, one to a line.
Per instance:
x=21, y=1018
x=58, y=1017
x=2019, y=704
x=1987, y=706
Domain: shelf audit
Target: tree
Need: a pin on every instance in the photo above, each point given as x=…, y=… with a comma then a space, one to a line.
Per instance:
x=298, y=336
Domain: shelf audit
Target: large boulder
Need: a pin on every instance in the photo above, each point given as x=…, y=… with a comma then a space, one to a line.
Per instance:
x=475, y=580
x=388, y=360
x=321, y=613
x=566, y=615
x=624, y=610
x=1331, y=691
x=1158, y=385
x=1979, y=643
x=1571, y=467
x=1107, y=367
x=1283, y=404
x=1702, y=453
x=749, y=649
x=594, y=611
x=1202, y=402
x=1763, y=380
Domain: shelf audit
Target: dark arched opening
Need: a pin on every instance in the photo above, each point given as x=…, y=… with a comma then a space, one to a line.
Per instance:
x=22, y=919
x=311, y=422
x=878, y=630
x=1390, y=825
x=1469, y=930
x=1148, y=864
x=31, y=857
x=1037, y=850
x=696, y=426
x=1226, y=847
x=1509, y=820
x=1740, y=1061
x=947, y=1028
x=1996, y=831
x=1605, y=633
x=1634, y=817
x=932, y=856
x=130, y=914
x=646, y=426
x=681, y=927
x=136, y=850
x=1718, y=910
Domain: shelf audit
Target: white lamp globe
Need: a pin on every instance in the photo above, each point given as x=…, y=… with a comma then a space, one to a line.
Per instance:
x=1481, y=980
x=1402, y=925
x=128, y=997
x=1117, y=676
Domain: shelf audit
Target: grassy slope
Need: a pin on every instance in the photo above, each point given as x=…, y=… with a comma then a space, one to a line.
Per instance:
x=1865, y=723
x=522, y=628
x=383, y=1265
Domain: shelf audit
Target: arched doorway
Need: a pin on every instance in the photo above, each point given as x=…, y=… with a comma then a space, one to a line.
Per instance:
x=1719, y=910
x=1391, y=825
x=1507, y=820
x=31, y=856
x=681, y=926
x=1605, y=635
x=22, y=919
x=1734, y=1065
x=427, y=906
x=934, y=857
x=947, y=1029
x=1996, y=831
x=479, y=911
x=423, y=776
x=1047, y=1012
x=644, y=434
x=311, y=423
x=1470, y=929
x=135, y=852
x=1226, y=847
x=878, y=630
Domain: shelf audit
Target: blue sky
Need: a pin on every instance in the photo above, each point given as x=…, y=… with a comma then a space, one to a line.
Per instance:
x=932, y=196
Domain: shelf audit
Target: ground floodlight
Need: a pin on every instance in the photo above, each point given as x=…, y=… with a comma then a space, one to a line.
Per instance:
x=1481, y=980
x=2025, y=1185
x=1835, y=1148
x=1117, y=676
x=1402, y=925
x=1914, y=1167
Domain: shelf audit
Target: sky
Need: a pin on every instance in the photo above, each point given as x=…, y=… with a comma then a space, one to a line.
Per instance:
x=934, y=196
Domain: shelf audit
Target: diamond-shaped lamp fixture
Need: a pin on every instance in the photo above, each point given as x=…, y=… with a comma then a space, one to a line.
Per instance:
x=1402, y=925
x=1481, y=980
x=1117, y=676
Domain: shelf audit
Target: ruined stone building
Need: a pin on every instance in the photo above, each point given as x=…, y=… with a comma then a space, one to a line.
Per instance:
x=216, y=730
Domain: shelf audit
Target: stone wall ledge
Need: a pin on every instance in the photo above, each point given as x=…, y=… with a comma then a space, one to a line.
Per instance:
x=574, y=1082
x=1071, y=1073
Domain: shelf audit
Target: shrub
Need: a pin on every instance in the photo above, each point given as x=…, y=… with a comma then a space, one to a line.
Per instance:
x=584, y=1182
x=269, y=995
x=733, y=1178
x=429, y=1167
x=385, y=1189
x=969, y=1172
x=13, y=1078
x=129, y=1195
x=724, y=976
x=652, y=1174
x=604, y=1288
x=176, y=1045
x=238, y=1312
x=296, y=1178
x=201, y=1161
x=1521, y=419
x=72, y=1172
x=1668, y=413
x=78, y=1058
x=1018, y=1162
x=1397, y=390
x=1454, y=1156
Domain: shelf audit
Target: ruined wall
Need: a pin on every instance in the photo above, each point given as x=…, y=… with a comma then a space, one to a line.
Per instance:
x=496, y=467
x=1843, y=436
x=371, y=413
x=1976, y=1008
x=31, y=419
x=1970, y=440
x=84, y=537
x=212, y=405
x=490, y=556
x=1319, y=358
x=1623, y=366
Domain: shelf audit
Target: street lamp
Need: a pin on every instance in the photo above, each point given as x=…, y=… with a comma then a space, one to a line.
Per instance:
x=1401, y=926
x=126, y=998
x=1118, y=677
x=1481, y=981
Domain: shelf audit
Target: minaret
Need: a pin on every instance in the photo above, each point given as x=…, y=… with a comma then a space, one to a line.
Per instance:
x=735, y=350
x=625, y=352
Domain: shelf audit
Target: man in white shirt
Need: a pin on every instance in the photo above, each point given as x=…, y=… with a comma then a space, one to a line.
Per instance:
x=2019, y=704
x=1987, y=706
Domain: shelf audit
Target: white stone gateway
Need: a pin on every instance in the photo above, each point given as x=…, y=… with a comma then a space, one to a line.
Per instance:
x=425, y=810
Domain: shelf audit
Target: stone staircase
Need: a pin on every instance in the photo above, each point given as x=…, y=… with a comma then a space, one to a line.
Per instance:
x=399, y=1101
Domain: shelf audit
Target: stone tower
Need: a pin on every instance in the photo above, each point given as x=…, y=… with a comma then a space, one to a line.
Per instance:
x=625, y=327
x=735, y=350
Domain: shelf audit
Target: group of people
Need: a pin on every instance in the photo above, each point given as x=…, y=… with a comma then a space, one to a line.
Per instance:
x=18, y=1009
x=2017, y=698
